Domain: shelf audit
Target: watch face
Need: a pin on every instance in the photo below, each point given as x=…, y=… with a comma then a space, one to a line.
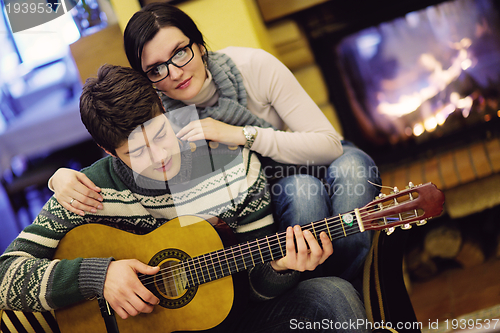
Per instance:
x=251, y=130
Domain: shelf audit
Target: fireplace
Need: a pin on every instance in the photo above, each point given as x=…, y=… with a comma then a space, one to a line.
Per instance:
x=416, y=84
x=409, y=77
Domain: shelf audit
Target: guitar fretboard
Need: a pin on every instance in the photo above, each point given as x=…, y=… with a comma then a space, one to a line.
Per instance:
x=230, y=260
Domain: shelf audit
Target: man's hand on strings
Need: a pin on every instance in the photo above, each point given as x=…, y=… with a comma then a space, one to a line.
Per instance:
x=124, y=291
x=305, y=254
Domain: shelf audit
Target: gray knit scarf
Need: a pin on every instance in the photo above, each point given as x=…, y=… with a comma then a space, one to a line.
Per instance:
x=231, y=107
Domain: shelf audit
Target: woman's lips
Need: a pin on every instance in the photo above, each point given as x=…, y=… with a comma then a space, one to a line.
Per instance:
x=184, y=84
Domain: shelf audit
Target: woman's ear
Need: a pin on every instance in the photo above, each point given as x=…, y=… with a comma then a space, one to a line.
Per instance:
x=204, y=55
x=203, y=50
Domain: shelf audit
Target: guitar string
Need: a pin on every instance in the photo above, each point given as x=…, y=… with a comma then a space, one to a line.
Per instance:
x=277, y=236
x=210, y=270
x=224, y=253
x=240, y=256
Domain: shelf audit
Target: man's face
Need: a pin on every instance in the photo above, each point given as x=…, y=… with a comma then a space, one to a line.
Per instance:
x=152, y=150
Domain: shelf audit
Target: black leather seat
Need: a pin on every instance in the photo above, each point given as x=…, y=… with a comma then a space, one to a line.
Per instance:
x=385, y=295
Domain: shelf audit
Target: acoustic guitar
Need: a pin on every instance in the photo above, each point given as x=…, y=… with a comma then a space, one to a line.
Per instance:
x=194, y=284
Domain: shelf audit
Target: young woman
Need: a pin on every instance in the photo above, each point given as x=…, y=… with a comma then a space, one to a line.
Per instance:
x=246, y=97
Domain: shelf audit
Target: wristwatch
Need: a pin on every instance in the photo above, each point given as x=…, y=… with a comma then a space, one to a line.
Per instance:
x=250, y=133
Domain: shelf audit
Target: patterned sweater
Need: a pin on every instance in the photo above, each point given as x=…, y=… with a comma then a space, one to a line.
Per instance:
x=222, y=181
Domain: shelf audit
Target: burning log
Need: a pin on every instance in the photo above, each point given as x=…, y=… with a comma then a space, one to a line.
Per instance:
x=420, y=264
x=443, y=242
x=444, y=245
x=471, y=254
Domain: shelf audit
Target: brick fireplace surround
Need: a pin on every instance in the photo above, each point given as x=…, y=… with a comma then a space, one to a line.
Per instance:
x=469, y=173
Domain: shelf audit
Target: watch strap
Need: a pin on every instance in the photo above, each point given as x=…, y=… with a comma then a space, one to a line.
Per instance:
x=250, y=134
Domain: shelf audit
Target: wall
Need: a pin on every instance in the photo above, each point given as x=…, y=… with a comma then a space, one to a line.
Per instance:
x=293, y=49
x=222, y=22
x=124, y=9
x=93, y=51
x=229, y=23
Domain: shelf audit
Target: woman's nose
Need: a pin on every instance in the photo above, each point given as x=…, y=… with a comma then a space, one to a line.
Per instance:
x=174, y=72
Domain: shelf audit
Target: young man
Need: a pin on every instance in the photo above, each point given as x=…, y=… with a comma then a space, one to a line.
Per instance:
x=148, y=179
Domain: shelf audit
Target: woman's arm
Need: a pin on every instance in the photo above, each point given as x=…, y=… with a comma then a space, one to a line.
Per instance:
x=75, y=191
x=275, y=95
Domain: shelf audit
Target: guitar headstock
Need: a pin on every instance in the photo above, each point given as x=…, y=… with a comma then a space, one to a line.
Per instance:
x=414, y=205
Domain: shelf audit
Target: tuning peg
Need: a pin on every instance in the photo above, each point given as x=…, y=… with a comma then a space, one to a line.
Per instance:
x=421, y=222
x=406, y=226
x=410, y=185
x=396, y=190
x=390, y=230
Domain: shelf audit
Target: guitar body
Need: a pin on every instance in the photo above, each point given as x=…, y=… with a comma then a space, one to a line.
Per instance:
x=195, y=308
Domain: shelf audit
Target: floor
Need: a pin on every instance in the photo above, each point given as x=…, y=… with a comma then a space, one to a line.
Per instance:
x=55, y=97
x=9, y=224
x=456, y=295
x=75, y=157
x=458, y=292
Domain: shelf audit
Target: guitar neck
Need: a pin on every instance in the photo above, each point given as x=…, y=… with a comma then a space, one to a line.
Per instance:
x=230, y=260
x=402, y=208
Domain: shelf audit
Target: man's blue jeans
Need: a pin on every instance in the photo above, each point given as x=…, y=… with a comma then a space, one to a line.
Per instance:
x=302, y=199
x=326, y=300
x=326, y=304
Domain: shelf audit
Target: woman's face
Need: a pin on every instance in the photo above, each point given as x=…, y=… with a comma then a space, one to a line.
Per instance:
x=182, y=83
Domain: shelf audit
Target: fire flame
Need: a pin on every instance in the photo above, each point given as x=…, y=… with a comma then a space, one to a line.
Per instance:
x=438, y=80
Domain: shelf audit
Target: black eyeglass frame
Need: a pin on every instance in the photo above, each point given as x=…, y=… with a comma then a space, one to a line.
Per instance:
x=170, y=62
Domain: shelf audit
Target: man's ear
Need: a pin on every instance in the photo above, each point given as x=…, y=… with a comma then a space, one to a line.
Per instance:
x=107, y=152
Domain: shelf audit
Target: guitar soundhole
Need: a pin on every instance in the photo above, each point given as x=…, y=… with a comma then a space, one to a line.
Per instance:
x=171, y=284
x=172, y=280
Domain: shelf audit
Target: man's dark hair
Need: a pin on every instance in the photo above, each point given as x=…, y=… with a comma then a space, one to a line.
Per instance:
x=115, y=103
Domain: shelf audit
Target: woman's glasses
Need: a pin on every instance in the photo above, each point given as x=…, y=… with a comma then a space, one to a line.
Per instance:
x=181, y=58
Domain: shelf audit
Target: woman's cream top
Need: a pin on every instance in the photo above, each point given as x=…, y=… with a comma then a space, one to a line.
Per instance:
x=305, y=135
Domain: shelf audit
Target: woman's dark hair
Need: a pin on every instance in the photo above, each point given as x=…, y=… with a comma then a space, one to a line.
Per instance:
x=116, y=102
x=145, y=24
